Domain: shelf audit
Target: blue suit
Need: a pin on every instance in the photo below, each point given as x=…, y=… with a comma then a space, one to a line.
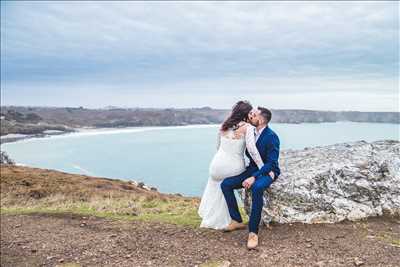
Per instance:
x=268, y=147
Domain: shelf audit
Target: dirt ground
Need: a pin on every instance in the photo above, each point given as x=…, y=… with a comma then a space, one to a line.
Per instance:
x=74, y=240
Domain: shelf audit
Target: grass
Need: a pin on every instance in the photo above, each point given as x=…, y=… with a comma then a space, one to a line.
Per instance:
x=27, y=190
x=169, y=211
x=173, y=212
x=390, y=239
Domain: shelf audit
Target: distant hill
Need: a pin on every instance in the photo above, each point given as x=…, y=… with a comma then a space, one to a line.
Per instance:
x=35, y=120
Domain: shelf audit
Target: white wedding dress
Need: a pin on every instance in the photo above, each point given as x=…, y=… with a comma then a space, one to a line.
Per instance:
x=228, y=161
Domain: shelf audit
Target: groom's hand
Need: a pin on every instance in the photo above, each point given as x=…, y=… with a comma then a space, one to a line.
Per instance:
x=248, y=182
x=272, y=174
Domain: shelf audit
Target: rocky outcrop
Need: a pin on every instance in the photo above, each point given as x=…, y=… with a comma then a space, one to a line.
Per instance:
x=5, y=159
x=333, y=183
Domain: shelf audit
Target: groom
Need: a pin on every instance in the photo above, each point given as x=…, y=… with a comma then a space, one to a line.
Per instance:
x=257, y=180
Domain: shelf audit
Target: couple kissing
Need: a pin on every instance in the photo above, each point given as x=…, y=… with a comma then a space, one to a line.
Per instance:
x=245, y=133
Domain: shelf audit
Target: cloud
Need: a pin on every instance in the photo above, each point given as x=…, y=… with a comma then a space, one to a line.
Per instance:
x=210, y=47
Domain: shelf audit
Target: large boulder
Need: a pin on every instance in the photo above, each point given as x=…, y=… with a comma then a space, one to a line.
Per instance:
x=333, y=183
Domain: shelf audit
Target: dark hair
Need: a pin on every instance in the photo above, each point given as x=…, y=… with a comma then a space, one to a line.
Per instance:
x=239, y=113
x=266, y=113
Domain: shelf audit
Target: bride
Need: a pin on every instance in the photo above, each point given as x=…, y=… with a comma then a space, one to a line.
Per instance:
x=228, y=161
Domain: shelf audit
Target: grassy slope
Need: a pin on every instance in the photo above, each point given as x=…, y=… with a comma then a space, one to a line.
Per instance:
x=30, y=190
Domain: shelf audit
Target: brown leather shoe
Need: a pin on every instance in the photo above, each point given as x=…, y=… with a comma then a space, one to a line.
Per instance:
x=234, y=225
x=252, y=242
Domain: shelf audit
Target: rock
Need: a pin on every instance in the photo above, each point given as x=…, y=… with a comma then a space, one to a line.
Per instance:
x=5, y=159
x=37, y=194
x=134, y=212
x=142, y=185
x=225, y=264
x=334, y=183
x=146, y=187
x=133, y=183
x=358, y=262
x=26, y=183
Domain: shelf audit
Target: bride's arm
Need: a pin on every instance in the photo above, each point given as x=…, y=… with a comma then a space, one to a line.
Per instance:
x=253, y=151
x=251, y=146
x=272, y=157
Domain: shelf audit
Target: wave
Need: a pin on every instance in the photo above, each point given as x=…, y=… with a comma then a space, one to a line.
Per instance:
x=82, y=132
x=102, y=131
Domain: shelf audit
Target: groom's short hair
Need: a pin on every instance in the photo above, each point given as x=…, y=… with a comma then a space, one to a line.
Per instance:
x=266, y=113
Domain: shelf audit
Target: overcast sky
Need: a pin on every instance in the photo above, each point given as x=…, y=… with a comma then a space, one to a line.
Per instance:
x=309, y=55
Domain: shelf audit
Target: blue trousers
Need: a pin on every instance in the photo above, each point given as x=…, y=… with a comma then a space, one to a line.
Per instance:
x=257, y=189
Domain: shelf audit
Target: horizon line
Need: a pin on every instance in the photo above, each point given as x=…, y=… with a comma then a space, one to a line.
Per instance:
x=182, y=108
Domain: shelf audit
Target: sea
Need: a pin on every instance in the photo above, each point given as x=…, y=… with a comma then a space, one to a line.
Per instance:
x=172, y=159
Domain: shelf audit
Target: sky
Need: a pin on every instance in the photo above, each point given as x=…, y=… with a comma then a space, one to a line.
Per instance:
x=281, y=55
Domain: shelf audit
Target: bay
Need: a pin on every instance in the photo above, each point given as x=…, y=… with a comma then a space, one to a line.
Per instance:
x=172, y=159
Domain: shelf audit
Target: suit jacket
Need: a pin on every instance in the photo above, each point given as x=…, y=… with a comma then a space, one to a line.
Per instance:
x=268, y=147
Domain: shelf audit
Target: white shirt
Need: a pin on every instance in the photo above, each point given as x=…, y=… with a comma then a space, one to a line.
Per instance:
x=258, y=133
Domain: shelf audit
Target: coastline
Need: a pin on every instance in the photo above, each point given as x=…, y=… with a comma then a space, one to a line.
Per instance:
x=85, y=131
x=81, y=131
x=33, y=152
